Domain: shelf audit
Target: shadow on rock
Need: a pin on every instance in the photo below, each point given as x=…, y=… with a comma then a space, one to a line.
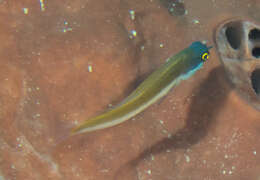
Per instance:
x=204, y=108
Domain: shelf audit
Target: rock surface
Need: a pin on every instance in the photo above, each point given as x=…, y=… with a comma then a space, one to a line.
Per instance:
x=62, y=62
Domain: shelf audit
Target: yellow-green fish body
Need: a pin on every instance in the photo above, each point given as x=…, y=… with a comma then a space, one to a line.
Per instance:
x=177, y=68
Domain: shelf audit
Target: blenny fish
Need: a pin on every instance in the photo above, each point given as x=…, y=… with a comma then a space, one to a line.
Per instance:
x=176, y=68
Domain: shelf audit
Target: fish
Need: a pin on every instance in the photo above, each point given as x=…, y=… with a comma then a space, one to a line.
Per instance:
x=177, y=68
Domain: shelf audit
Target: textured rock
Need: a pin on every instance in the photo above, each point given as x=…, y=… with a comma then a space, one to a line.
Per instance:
x=63, y=62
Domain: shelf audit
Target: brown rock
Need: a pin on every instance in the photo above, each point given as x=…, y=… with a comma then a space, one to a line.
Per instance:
x=63, y=62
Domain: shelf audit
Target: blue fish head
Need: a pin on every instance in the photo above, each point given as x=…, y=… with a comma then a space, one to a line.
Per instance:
x=199, y=49
x=200, y=53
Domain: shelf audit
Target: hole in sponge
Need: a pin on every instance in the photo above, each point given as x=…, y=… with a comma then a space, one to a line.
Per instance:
x=255, y=80
x=254, y=34
x=233, y=36
x=256, y=52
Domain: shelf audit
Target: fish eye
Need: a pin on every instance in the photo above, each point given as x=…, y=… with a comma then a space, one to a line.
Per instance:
x=205, y=56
